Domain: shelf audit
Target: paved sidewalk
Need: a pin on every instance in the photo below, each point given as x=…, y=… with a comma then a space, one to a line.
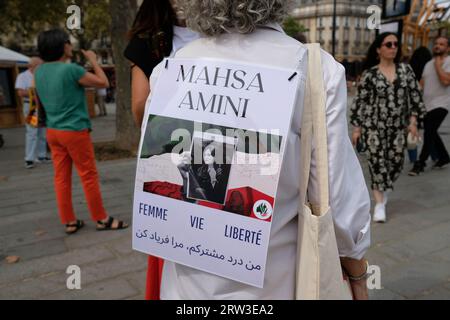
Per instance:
x=30, y=228
x=412, y=249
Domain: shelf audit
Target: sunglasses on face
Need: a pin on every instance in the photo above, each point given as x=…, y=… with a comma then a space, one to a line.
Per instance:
x=390, y=44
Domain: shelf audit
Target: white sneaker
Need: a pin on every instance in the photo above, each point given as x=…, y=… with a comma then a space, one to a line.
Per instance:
x=379, y=214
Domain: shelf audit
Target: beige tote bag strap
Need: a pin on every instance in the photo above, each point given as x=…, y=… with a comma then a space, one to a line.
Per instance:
x=314, y=130
x=306, y=143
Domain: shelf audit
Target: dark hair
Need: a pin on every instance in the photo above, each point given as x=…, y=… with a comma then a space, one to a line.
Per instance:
x=419, y=59
x=51, y=44
x=236, y=204
x=372, y=55
x=154, y=16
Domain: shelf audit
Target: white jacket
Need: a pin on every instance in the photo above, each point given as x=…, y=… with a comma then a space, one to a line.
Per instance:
x=349, y=197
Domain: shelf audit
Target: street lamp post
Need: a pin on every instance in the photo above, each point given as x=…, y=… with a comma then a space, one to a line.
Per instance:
x=334, y=29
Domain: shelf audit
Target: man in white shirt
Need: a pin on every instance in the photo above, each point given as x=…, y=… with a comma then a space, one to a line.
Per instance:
x=436, y=84
x=101, y=96
x=36, y=142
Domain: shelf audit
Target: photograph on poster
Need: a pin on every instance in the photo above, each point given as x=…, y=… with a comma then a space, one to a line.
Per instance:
x=216, y=170
x=208, y=180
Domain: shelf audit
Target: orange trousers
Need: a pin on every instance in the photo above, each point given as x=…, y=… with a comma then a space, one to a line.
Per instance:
x=154, y=277
x=68, y=148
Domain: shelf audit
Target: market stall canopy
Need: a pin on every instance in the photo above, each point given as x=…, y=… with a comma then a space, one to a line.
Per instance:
x=7, y=55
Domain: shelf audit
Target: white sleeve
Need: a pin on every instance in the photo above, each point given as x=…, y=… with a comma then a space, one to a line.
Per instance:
x=349, y=196
x=20, y=82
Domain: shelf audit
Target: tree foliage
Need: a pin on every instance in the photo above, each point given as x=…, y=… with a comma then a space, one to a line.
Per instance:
x=292, y=27
x=27, y=18
x=96, y=21
x=99, y=18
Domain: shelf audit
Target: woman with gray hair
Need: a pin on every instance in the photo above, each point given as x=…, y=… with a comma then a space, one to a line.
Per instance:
x=247, y=31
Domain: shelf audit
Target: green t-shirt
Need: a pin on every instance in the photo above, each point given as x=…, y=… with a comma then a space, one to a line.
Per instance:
x=62, y=97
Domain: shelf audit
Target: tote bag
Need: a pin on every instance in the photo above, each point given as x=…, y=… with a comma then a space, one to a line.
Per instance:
x=319, y=272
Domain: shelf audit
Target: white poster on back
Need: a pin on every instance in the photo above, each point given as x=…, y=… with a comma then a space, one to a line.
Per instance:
x=209, y=164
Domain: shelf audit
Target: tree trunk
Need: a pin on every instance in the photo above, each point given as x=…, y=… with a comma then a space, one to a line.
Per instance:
x=123, y=13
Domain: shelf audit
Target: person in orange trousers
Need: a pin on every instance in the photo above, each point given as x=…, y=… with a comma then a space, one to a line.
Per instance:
x=61, y=89
x=70, y=148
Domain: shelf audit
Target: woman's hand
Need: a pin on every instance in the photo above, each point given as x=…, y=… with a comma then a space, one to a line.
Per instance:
x=186, y=158
x=90, y=56
x=356, y=135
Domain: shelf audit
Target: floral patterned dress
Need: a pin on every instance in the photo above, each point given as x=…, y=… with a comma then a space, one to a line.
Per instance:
x=382, y=109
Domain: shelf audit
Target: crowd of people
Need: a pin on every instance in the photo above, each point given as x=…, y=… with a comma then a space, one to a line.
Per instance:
x=394, y=101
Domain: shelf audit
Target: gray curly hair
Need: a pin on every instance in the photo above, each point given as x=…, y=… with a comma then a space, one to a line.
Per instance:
x=214, y=17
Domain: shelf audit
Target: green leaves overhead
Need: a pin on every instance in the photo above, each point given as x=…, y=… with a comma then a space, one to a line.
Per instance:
x=27, y=18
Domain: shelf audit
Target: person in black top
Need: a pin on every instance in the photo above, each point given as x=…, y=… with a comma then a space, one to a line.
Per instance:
x=150, y=41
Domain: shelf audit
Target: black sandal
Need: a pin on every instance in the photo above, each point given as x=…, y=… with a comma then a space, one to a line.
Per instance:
x=78, y=225
x=106, y=226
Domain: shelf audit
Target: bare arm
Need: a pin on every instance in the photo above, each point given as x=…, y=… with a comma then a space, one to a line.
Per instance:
x=98, y=79
x=357, y=268
x=354, y=267
x=140, y=90
x=22, y=93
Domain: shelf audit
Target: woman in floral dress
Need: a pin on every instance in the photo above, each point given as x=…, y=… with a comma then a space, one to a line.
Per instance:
x=387, y=107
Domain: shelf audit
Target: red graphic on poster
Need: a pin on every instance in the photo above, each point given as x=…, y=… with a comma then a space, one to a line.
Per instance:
x=239, y=201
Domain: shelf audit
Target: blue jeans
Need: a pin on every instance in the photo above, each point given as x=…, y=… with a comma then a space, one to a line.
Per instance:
x=412, y=155
x=35, y=140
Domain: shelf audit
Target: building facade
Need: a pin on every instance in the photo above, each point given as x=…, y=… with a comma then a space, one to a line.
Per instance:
x=353, y=37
